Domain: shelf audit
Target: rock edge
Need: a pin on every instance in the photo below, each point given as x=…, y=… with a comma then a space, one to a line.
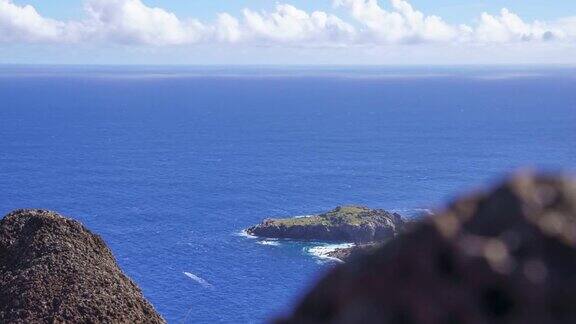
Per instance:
x=54, y=270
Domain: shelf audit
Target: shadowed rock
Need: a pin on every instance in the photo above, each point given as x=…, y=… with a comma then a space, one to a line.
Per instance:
x=345, y=254
x=53, y=270
x=507, y=256
x=346, y=224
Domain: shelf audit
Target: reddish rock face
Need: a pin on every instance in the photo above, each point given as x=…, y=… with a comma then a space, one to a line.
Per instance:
x=507, y=256
x=53, y=270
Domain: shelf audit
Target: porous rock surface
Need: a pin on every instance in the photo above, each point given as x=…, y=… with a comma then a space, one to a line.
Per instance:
x=505, y=256
x=53, y=270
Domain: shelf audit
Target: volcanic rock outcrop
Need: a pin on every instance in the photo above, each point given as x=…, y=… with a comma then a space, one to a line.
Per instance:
x=346, y=224
x=347, y=253
x=506, y=256
x=53, y=270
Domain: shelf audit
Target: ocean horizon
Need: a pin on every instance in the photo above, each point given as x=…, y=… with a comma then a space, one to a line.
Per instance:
x=169, y=164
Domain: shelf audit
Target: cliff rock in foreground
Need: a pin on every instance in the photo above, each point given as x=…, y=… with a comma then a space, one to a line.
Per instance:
x=53, y=270
x=507, y=256
x=347, y=224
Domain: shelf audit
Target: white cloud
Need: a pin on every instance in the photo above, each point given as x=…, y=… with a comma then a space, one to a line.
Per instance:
x=404, y=24
x=374, y=23
x=24, y=24
x=287, y=24
x=290, y=24
x=568, y=27
x=509, y=27
x=400, y=25
x=130, y=21
x=227, y=28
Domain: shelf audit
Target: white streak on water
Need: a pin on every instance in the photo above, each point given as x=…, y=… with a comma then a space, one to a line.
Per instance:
x=199, y=280
x=269, y=242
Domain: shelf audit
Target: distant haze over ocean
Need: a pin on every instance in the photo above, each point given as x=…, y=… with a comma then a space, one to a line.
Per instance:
x=169, y=164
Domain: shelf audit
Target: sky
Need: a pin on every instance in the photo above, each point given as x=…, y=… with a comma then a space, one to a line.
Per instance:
x=289, y=32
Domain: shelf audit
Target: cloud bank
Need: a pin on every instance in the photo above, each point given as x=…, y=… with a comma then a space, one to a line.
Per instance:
x=354, y=32
x=133, y=22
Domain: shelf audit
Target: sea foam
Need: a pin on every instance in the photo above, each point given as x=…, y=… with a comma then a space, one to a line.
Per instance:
x=269, y=242
x=244, y=233
x=322, y=251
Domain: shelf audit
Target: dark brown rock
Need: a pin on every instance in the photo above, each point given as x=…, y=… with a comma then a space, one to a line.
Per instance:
x=53, y=270
x=346, y=254
x=507, y=256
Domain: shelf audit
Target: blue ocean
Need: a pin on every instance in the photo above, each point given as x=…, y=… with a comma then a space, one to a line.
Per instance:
x=170, y=164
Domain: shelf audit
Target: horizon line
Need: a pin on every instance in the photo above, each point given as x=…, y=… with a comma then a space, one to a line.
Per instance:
x=472, y=65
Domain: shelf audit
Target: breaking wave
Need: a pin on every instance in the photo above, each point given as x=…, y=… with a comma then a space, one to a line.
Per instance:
x=322, y=251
